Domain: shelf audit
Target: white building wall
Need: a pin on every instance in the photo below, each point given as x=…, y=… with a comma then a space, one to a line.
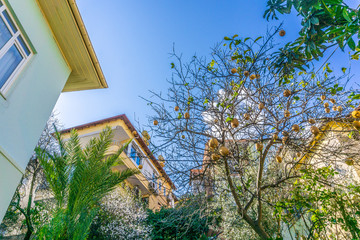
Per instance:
x=27, y=105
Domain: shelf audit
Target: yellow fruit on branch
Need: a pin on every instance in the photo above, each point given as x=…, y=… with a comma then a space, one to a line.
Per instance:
x=287, y=113
x=278, y=159
x=140, y=166
x=233, y=70
x=259, y=146
x=224, y=151
x=187, y=115
x=162, y=164
x=356, y=124
x=213, y=143
x=287, y=93
x=295, y=128
x=282, y=32
x=323, y=97
x=261, y=106
x=314, y=130
x=327, y=110
x=135, y=133
x=215, y=157
x=252, y=76
x=284, y=140
x=234, y=123
x=332, y=101
x=246, y=116
x=312, y=121
x=176, y=108
x=339, y=108
x=275, y=136
x=246, y=73
x=326, y=105
x=145, y=135
x=298, y=154
x=355, y=114
x=257, y=76
x=183, y=136
x=161, y=158
x=155, y=122
x=334, y=108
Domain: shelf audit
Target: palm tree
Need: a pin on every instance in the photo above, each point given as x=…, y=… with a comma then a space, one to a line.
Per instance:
x=79, y=178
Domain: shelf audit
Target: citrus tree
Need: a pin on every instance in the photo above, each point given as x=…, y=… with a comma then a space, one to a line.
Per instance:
x=248, y=129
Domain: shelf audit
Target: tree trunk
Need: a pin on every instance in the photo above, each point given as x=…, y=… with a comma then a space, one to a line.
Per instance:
x=255, y=226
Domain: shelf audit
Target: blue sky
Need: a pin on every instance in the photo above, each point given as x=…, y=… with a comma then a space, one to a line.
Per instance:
x=133, y=39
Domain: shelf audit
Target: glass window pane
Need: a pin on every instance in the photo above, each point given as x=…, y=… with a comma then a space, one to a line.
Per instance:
x=5, y=34
x=8, y=64
x=10, y=22
x=23, y=45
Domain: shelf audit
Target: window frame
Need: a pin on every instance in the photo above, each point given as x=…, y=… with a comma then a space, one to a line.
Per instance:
x=13, y=41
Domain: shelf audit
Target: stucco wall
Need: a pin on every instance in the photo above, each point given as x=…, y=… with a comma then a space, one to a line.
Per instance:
x=30, y=100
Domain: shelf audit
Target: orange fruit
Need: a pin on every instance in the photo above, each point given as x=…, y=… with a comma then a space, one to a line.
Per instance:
x=296, y=128
x=233, y=70
x=323, y=97
x=140, y=166
x=234, y=123
x=183, y=136
x=356, y=124
x=187, y=115
x=176, y=108
x=252, y=76
x=246, y=73
x=326, y=105
x=282, y=32
x=215, y=157
x=224, y=151
x=135, y=133
x=259, y=147
x=275, y=136
x=246, y=116
x=327, y=110
x=314, y=130
x=286, y=113
x=312, y=121
x=355, y=114
x=287, y=93
x=156, y=122
x=261, y=106
x=213, y=143
x=278, y=159
x=332, y=101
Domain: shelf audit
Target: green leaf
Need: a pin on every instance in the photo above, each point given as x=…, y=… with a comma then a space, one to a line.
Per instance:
x=343, y=69
x=258, y=38
x=346, y=15
x=227, y=38
x=172, y=65
x=315, y=20
x=351, y=44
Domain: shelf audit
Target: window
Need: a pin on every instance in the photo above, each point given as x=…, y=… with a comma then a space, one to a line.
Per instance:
x=135, y=155
x=14, y=51
x=164, y=191
x=159, y=186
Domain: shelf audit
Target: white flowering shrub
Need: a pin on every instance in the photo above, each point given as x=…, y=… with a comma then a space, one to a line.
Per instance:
x=122, y=216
